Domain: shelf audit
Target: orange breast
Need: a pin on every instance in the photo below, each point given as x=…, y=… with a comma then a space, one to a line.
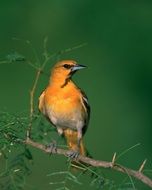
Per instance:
x=62, y=100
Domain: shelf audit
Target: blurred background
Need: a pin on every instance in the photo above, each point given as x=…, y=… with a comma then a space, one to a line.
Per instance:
x=118, y=81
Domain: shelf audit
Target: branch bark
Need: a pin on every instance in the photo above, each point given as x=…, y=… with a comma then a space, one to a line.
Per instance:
x=96, y=163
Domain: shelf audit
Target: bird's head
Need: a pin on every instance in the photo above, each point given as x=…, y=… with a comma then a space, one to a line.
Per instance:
x=63, y=70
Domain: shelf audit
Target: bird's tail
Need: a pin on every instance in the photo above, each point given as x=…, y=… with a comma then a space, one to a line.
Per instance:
x=72, y=142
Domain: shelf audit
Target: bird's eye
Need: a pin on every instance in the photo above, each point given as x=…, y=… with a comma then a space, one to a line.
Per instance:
x=67, y=66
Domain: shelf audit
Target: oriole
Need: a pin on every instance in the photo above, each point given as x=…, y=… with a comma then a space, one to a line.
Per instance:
x=66, y=105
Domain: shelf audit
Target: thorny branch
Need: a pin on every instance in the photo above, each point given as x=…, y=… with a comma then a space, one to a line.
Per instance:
x=96, y=163
x=92, y=162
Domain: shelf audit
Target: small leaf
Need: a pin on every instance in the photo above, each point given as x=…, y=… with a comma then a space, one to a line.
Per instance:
x=28, y=154
x=15, y=57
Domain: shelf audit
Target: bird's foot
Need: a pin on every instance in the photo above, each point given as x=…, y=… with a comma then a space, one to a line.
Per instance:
x=52, y=147
x=72, y=154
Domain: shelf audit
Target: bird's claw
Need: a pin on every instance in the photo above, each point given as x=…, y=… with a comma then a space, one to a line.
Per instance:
x=52, y=147
x=73, y=154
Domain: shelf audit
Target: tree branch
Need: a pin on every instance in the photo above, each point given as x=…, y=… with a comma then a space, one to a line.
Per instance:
x=96, y=163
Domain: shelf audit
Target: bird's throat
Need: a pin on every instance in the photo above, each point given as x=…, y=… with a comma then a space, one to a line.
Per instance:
x=60, y=81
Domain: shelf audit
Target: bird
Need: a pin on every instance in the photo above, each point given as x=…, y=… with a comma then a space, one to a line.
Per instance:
x=66, y=106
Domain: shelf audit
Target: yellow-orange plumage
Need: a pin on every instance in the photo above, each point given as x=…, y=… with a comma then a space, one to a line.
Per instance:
x=71, y=137
x=64, y=104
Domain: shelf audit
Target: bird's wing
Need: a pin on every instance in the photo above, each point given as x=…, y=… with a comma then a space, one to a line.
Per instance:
x=41, y=103
x=86, y=106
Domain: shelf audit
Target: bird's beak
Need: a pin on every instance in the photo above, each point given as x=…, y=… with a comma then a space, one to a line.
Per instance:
x=77, y=67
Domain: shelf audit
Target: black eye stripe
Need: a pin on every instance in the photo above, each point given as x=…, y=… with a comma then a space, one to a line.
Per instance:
x=67, y=66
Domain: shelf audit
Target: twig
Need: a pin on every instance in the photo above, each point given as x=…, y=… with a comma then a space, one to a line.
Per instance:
x=96, y=163
x=32, y=92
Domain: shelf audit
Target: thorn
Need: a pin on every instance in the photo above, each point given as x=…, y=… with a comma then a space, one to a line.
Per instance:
x=114, y=159
x=78, y=167
x=5, y=135
x=142, y=165
x=28, y=134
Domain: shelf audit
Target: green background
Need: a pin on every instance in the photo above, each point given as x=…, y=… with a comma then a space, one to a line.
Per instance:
x=118, y=81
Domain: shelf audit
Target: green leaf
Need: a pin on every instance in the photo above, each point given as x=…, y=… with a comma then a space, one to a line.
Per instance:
x=15, y=57
x=28, y=154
